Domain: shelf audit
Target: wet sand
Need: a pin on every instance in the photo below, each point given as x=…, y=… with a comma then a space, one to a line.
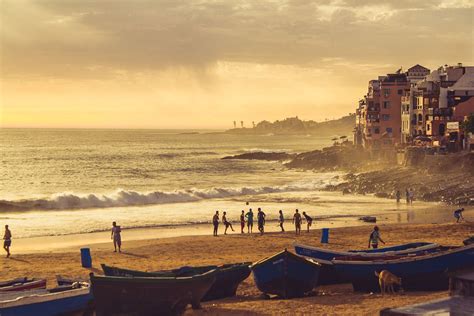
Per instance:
x=155, y=254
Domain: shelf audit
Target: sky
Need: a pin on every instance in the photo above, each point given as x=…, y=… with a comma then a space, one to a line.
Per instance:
x=206, y=63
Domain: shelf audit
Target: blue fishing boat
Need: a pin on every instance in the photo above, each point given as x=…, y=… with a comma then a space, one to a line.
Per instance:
x=328, y=274
x=286, y=275
x=41, y=302
x=419, y=272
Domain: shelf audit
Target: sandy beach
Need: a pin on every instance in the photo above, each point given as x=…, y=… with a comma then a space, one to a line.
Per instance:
x=165, y=253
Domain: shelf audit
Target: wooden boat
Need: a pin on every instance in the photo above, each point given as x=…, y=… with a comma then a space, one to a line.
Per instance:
x=286, y=274
x=328, y=274
x=368, y=219
x=42, y=302
x=422, y=272
x=22, y=284
x=228, y=276
x=149, y=295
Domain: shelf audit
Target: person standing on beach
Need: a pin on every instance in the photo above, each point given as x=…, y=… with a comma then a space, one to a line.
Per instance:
x=458, y=214
x=226, y=223
x=281, y=220
x=412, y=196
x=7, y=240
x=215, y=222
x=261, y=221
x=309, y=220
x=398, y=195
x=242, y=222
x=116, y=237
x=375, y=237
x=297, y=222
x=249, y=216
x=407, y=196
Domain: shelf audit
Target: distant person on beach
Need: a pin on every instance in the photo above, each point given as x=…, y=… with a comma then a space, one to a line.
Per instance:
x=458, y=214
x=7, y=240
x=281, y=220
x=242, y=222
x=412, y=196
x=297, y=222
x=249, y=217
x=398, y=195
x=407, y=196
x=115, y=236
x=261, y=221
x=309, y=220
x=375, y=237
x=226, y=223
x=215, y=222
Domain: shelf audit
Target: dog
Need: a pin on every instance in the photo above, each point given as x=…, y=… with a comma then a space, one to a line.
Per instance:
x=387, y=280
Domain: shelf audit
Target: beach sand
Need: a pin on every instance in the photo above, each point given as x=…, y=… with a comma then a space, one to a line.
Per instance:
x=155, y=254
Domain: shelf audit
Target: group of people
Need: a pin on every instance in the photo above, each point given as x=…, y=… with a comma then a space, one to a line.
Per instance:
x=247, y=219
x=409, y=196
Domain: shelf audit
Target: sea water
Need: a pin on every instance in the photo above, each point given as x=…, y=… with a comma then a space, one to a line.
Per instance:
x=73, y=181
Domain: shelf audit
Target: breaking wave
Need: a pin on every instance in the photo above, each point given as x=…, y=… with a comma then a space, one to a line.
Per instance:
x=121, y=198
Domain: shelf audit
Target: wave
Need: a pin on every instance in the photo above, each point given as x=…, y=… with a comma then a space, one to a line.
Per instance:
x=121, y=198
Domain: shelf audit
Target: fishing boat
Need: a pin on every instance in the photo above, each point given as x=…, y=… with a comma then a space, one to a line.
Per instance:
x=22, y=284
x=228, y=276
x=324, y=255
x=419, y=272
x=286, y=275
x=328, y=274
x=41, y=302
x=148, y=295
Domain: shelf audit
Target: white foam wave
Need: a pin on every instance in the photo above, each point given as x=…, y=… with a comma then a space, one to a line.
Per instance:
x=121, y=198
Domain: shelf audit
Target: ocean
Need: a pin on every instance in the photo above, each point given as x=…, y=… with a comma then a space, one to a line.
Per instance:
x=72, y=181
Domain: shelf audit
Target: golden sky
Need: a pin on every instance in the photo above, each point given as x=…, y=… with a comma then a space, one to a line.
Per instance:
x=206, y=63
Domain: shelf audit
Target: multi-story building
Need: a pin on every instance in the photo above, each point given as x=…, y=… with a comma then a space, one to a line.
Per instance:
x=380, y=111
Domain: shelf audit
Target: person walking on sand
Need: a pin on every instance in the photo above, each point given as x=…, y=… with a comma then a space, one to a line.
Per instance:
x=242, y=222
x=309, y=221
x=297, y=221
x=116, y=237
x=7, y=240
x=398, y=195
x=281, y=220
x=458, y=214
x=261, y=221
x=226, y=223
x=374, y=238
x=215, y=222
x=249, y=217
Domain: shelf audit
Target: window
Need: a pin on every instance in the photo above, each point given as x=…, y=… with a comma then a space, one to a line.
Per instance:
x=377, y=130
x=400, y=91
x=388, y=130
x=386, y=104
x=386, y=92
x=428, y=127
x=420, y=118
x=385, y=117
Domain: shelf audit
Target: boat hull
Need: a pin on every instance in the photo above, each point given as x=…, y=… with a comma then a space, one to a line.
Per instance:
x=286, y=275
x=228, y=277
x=51, y=304
x=23, y=286
x=149, y=295
x=427, y=272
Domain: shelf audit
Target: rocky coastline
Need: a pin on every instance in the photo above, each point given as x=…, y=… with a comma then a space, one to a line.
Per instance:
x=444, y=178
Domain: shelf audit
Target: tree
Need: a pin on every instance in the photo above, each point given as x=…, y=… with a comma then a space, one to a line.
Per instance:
x=468, y=125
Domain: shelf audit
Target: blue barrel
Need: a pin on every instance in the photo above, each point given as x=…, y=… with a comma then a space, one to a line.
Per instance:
x=86, y=258
x=325, y=236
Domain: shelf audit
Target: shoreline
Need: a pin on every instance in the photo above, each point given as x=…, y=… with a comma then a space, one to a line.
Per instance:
x=71, y=242
x=167, y=253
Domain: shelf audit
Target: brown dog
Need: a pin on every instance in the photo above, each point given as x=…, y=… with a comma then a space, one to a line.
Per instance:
x=387, y=280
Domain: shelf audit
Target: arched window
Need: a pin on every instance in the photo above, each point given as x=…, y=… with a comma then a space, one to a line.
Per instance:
x=420, y=118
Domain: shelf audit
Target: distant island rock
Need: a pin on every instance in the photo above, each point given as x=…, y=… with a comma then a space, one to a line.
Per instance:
x=296, y=126
x=259, y=155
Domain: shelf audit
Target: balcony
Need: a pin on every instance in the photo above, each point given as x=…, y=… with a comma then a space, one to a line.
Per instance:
x=440, y=112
